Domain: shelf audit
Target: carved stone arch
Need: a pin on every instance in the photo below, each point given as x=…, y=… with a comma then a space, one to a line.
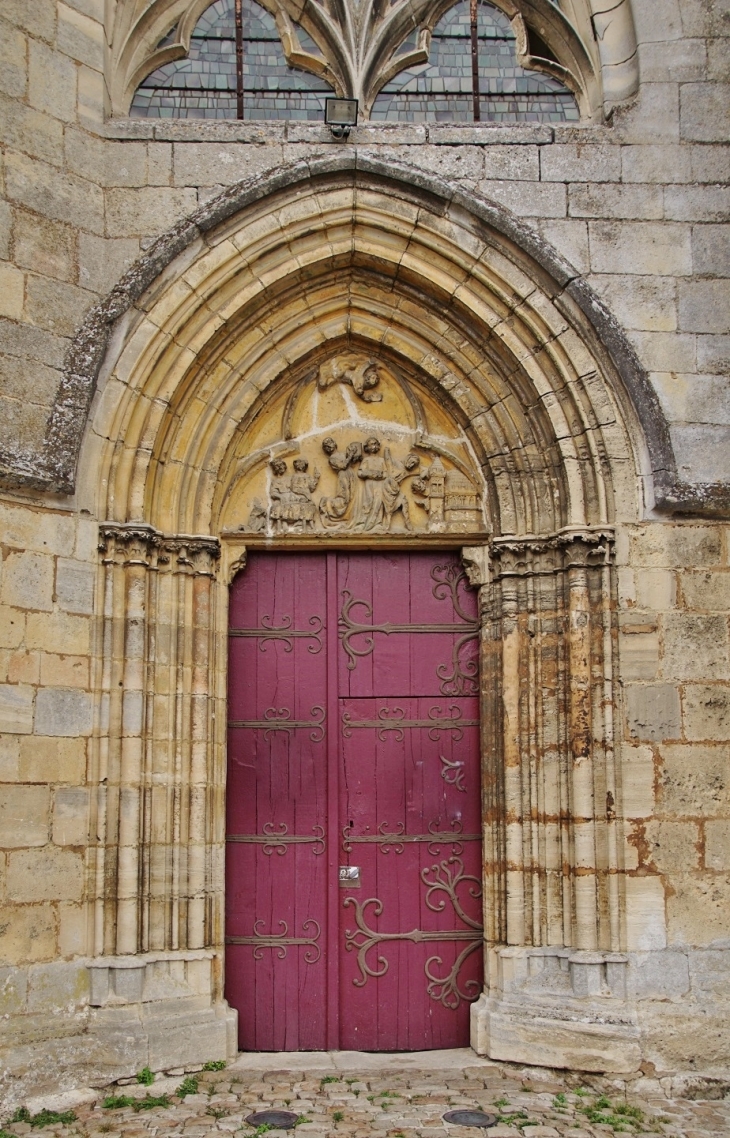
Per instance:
x=590, y=46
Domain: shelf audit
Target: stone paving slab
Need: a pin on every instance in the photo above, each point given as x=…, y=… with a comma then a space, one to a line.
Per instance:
x=349, y=1095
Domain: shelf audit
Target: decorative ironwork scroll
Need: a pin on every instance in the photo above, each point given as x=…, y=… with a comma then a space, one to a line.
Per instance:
x=460, y=677
x=284, y=632
x=393, y=719
x=452, y=773
x=282, y=941
x=444, y=877
x=397, y=839
x=280, y=720
x=277, y=841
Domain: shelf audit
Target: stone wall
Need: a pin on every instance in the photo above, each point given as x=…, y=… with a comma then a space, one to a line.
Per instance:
x=636, y=206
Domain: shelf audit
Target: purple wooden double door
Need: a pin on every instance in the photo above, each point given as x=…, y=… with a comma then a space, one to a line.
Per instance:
x=353, y=898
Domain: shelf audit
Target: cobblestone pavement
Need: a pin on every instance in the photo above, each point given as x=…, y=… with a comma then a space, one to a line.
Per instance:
x=390, y=1096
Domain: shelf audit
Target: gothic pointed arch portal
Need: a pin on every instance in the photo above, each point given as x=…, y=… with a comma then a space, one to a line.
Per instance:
x=349, y=303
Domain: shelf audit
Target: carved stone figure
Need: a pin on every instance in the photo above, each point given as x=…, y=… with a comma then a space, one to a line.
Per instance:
x=431, y=487
x=336, y=510
x=280, y=495
x=360, y=374
x=303, y=486
x=382, y=494
x=292, y=505
x=256, y=518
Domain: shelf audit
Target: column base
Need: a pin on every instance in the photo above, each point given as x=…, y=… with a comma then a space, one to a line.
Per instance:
x=556, y=1008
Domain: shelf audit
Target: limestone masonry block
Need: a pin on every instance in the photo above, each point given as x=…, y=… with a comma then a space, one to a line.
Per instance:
x=12, y=627
x=55, y=194
x=695, y=647
x=80, y=37
x=653, y=711
x=71, y=816
x=60, y=712
x=708, y=591
x=707, y=711
x=697, y=908
x=44, y=246
x=704, y=306
x=717, y=844
x=16, y=708
x=681, y=545
x=705, y=111
x=29, y=936
x=673, y=846
x=27, y=581
x=659, y=975
x=61, y=632
x=12, y=288
x=638, y=773
x=53, y=760
x=48, y=874
x=640, y=247
x=711, y=250
x=75, y=586
x=694, y=780
x=13, y=61
x=645, y=914
x=656, y=589
x=51, y=82
x=24, y=816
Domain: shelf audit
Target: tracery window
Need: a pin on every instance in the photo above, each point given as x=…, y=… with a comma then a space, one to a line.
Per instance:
x=235, y=69
x=472, y=74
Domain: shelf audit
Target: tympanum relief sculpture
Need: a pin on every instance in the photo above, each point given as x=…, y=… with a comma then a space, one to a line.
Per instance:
x=354, y=447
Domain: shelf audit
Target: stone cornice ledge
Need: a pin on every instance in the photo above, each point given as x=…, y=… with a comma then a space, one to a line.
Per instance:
x=55, y=470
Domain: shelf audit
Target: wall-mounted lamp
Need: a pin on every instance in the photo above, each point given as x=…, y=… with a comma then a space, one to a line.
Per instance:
x=340, y=115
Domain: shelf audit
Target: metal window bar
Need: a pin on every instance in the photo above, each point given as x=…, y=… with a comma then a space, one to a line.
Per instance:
x=239, y=58
x=475, y=59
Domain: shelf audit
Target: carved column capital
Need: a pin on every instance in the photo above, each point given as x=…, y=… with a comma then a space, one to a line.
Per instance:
x=128, y=544
x=124, y=543
x=197, y=556
x=534, y=556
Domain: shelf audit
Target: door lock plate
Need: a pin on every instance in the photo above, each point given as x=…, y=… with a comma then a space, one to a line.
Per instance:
x=349, y=876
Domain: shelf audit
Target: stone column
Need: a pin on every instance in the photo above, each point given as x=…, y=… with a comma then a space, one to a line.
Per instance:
x=157, y=738
x=550, y=817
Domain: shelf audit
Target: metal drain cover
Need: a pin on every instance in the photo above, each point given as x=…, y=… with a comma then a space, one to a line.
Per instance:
x=470, y=1118
x=278, y=1119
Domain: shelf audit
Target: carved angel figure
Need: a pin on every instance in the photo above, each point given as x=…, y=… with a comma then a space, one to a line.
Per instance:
x=361, y=375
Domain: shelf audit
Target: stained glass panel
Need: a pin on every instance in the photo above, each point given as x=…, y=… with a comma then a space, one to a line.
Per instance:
x=204, y=84
x=441, y=89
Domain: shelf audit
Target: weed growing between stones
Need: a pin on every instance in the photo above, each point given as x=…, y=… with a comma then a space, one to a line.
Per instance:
x=215, y=1065
x=118, y=1102
x=145, y=1077
x=44, y=1117
x=188, y=1086
x=338, y=1115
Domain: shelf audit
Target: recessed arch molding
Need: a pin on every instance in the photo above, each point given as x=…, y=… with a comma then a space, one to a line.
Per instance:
x=55, y=471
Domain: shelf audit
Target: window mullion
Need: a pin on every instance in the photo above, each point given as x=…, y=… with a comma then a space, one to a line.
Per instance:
x=475, y=59
x=239, y=58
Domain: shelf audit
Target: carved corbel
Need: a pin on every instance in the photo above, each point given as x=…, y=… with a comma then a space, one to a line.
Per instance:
x=476, y=560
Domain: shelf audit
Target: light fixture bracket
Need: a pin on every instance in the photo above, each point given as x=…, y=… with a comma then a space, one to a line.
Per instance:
x=340, y=115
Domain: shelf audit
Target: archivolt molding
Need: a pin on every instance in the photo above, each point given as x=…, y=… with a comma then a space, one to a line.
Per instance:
x=591, y=47
x=482, y=288
x=341, y=263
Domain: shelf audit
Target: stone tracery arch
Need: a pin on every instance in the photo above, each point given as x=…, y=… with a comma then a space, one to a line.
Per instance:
x=301, y=269
x=590, y=45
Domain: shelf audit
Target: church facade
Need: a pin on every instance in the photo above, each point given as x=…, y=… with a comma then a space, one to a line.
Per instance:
x=364, y=504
